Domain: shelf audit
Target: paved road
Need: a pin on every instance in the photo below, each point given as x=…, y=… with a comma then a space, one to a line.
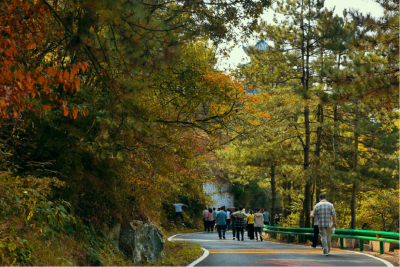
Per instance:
x=252, y=253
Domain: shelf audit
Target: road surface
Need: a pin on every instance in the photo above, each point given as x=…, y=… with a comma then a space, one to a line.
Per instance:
x=255, y=253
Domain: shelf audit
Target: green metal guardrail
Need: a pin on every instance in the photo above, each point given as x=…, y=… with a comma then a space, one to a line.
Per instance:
x=341, y=233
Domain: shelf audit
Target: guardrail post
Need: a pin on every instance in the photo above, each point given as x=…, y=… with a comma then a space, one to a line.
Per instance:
x=275, y=235
x=341, y=243
x=381, y=248
x=289, y=237
x=361, y=245
x=299, y=239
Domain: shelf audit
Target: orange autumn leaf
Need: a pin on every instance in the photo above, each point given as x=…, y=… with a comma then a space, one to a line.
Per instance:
x=65, y=112
x=75, y=112
x=52, y=72
x=46, y=108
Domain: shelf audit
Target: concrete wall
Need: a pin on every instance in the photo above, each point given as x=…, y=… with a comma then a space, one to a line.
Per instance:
x=220, y=195
x=374, y=246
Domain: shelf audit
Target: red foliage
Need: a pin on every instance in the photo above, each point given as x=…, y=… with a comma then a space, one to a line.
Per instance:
x=23, y=73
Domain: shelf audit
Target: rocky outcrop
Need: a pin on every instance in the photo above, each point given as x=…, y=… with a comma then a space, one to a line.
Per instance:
x=141, y=242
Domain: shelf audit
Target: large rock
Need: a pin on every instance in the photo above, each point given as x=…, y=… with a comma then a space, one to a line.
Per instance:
x=141, y=242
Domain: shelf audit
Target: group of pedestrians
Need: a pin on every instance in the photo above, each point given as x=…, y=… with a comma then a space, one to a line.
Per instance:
x=236, y=220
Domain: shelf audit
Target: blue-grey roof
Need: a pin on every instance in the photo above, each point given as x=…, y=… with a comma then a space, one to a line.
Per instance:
x=260, y=45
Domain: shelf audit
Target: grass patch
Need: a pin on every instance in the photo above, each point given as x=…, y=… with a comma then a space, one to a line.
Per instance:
x=178, y=253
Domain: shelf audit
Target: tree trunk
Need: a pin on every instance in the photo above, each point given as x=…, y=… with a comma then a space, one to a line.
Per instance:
x=355, y=161
x=335, y=131
x=335, y=138
x=301, y=223
x=307, y=187
x=320, y=116
x=273, y=195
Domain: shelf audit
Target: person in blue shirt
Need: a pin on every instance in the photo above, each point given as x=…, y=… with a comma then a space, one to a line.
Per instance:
x=221, y=222
x=178, y=211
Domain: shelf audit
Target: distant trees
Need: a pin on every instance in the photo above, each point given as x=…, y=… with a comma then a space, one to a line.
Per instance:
x=332, y=125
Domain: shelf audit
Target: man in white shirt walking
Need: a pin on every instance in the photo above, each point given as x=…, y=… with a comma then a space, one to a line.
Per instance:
x=325, y=213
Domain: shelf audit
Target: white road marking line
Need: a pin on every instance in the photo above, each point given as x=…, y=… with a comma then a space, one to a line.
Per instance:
x=388, y=264
x=205, y=255
x=170, y=238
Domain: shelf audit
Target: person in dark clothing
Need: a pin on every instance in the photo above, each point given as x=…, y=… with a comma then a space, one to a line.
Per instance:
x=277, y=219
x=316, y=230
x=239, y=223
x=233, y=223
x=266, y=217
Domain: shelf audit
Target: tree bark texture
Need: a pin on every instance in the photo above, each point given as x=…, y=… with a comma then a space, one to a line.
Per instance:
x=335, y=138
x=307, y=187
x=355, y=162
x=273, y=195
x=320, y=116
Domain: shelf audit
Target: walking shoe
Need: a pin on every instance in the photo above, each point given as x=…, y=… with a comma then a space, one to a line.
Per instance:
x=223, y=237
x=313, y=247
x=261, y=239
x=220, y=238
x=327, y=254
x=256, y=238
x=233, y=238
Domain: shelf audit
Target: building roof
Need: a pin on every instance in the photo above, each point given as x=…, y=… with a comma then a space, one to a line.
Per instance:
x=260, y=45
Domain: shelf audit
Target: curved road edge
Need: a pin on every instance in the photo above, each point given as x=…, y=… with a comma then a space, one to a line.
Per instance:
x=198, y=260
x=388, y=264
